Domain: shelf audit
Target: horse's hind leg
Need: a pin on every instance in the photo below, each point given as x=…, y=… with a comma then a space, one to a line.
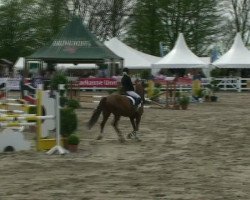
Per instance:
x=115, y=123
x=104, y=120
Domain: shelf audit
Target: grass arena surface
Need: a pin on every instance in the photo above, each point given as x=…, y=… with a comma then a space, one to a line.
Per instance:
x=202, y=153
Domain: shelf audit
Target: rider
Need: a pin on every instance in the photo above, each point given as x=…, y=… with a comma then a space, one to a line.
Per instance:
x=128, y=87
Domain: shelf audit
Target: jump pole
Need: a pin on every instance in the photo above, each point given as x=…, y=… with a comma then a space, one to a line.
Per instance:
x=13, y=120
x=58, y=148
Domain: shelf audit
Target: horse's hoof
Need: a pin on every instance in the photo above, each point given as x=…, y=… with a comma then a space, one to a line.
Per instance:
x=99, y=137
x=137, y=139
x=130, y=135
x=122, y=140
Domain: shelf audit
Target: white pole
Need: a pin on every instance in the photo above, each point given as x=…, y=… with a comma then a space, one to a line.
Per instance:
x=58, y=138
x=58, y=149
x=27, y=117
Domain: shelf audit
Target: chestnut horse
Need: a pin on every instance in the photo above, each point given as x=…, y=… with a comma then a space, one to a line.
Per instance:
x=119, y=105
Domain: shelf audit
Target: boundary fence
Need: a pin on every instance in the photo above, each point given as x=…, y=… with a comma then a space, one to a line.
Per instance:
x=227, y=84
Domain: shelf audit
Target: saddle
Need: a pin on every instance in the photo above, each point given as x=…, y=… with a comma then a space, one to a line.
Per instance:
x=135, y=101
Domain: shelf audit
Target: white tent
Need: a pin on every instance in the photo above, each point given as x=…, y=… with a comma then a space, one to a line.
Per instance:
x=237, y=56
x=180, y=57
x=19, y=65
x=78, y=66
x=133, y=59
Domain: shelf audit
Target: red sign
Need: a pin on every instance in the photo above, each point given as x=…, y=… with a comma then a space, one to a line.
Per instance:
x=97, y=83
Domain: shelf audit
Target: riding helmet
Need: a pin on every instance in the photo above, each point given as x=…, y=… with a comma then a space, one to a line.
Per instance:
x=125, y=70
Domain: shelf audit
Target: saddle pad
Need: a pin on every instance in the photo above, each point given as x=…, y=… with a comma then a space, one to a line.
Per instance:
x=131, y=98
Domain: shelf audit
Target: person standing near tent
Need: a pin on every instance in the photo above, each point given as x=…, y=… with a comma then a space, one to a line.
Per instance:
x=128, y=88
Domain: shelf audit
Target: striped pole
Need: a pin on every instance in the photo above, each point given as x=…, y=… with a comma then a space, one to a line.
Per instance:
x=39, y=113
x=27, y=118
x=11, y=111
x=16, y=104
x=17, y=124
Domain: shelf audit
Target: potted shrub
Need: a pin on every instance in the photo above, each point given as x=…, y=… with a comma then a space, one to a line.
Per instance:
x=207, y=94
x=63, y=101
x=213, y=89
x=68, y=121
x=72, y=142
x=59, y=78
x=156, y=92
x=72, y=103
x=184, y=101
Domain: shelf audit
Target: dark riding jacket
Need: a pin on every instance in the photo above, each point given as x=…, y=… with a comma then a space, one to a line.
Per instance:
x=127, y=84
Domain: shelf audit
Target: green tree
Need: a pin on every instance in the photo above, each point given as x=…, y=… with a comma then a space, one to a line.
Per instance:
x=105, y=18
x=51, y=17
x=163, y=20
x=197, y=19
x=146, y=29
x=28, y=24
x=15, y=34
x=236, y=19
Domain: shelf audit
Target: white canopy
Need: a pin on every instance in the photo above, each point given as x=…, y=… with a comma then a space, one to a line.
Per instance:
x=237, y=56
x=180, y=57
x=133, y=59
x=19, y=63
x=78, y=66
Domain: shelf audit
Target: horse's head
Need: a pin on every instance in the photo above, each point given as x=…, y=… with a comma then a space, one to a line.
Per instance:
x=139, y=89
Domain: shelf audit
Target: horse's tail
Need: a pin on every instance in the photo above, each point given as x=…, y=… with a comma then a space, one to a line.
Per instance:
x=96, y=113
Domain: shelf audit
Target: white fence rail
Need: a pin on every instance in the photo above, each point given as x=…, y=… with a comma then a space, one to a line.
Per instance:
x=225, y=84
x=230, y=84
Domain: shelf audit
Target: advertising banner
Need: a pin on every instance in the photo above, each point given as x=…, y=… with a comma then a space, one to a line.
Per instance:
x=97, y=83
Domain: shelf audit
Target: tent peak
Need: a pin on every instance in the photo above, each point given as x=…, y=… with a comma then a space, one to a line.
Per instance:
x=181, y=43
x=238, y=42
x=180, y=57
x=238, y=56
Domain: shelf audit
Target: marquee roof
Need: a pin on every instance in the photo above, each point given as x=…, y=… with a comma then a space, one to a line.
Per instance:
x=180, y=57
x=133, y=59
x=238, y=56
x=75, y=44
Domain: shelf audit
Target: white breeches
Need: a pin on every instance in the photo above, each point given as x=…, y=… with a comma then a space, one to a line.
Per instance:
x=133, y=94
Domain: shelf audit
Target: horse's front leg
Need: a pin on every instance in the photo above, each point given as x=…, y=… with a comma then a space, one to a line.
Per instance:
x=137, y=122
x=133, y=133
x=115, y=125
